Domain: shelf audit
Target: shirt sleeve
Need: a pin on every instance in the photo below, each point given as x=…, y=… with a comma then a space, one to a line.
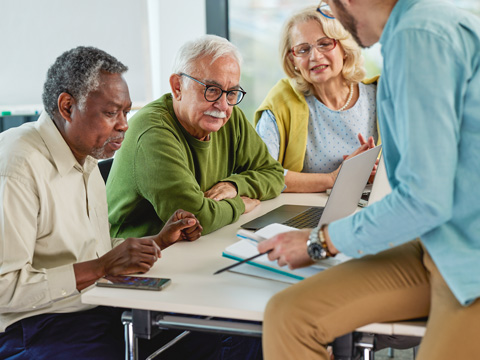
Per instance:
x=257, y=175
x=419, y=103
x=116, y=241
x=267, y=129
x=24, y=287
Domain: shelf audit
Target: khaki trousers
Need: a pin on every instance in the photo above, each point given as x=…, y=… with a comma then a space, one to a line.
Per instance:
x=397, y=284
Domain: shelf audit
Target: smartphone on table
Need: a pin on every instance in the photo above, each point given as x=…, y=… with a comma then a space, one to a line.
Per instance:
x=133, y=282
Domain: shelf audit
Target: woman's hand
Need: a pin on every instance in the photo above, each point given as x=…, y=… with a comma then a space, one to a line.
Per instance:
x=364, y=146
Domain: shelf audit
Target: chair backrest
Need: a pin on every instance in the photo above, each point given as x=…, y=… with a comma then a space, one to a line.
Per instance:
x=105, y=166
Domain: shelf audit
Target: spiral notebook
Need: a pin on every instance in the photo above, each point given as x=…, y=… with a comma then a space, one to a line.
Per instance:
x=264, y=268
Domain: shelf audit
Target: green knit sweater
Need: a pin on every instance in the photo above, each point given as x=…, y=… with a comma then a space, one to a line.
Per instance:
x=161, y=167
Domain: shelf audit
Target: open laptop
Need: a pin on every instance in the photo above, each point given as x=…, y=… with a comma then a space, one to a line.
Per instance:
x=380, y=186
x=343, y=199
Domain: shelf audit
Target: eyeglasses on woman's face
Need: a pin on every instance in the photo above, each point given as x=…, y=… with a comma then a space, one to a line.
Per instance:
x=213, y=92
x=322, y=45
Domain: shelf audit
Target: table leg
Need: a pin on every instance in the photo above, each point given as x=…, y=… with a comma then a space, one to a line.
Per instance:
x=366, y=344
x=131, y=350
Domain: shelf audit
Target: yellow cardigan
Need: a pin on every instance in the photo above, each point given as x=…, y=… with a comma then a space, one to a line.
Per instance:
x=291, y=112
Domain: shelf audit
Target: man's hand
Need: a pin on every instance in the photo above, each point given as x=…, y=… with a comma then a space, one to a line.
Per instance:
x=137, y=255
x=250, y=204
x=222, y=190
x=289, y=248
x=182, y=225
x=132, y=256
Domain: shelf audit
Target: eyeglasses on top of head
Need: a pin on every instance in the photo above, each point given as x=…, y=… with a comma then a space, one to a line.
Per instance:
x=213, y=92
x=323, y=45
x=324, y=9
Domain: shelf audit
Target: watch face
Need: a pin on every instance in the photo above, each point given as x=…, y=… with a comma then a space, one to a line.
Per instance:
x=316, y=251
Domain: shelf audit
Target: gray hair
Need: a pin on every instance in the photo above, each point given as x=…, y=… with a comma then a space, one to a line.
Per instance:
x=206, y=45
x=77, y=72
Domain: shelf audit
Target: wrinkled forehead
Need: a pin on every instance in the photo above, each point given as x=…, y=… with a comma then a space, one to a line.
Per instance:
x=219, y=71
x=111, y=89
x=306, y=31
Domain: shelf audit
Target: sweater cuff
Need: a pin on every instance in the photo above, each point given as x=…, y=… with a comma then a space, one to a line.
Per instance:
x=238, y=207
x=232, y=179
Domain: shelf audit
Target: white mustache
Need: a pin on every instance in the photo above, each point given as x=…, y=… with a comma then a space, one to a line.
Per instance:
x=216, y=113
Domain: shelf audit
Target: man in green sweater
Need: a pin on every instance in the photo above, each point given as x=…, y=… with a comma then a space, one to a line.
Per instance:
x=192, y=149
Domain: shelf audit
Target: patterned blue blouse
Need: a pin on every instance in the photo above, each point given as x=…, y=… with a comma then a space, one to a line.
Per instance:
x=331, y=133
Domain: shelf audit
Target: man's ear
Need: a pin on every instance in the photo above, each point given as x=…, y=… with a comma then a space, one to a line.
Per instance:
x=65, y=103
x=176, y=86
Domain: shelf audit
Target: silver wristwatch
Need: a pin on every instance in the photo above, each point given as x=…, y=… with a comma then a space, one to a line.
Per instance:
x=316, y=248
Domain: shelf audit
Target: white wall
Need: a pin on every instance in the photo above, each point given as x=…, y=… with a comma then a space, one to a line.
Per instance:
x=143, y=34
x=172, y=23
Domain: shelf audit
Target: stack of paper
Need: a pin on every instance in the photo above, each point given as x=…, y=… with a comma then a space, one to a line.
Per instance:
x=262, y=267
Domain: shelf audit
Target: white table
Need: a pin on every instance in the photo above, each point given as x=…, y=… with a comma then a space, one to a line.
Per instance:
x=196, y=291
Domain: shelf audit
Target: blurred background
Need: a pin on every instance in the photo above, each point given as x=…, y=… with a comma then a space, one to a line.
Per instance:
x=255, y=27
x=145, y=35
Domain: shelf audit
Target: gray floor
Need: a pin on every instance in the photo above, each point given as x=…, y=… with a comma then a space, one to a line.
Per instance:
x=397, y=355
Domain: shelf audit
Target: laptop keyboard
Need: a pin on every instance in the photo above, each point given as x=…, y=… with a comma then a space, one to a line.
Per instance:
x=306, y=219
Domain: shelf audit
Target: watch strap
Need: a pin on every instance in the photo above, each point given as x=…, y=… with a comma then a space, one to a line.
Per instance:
x=323, y=241
x=315, y=248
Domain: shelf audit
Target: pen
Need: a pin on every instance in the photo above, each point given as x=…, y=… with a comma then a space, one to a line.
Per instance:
x=240, y=262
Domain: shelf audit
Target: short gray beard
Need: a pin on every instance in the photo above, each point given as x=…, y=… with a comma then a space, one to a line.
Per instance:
x=99, y=153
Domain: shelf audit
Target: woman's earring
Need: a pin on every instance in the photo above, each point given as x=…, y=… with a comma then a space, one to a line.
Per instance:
x=296, y=68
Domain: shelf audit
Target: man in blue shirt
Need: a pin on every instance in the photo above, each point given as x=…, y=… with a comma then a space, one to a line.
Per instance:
x=429, y=113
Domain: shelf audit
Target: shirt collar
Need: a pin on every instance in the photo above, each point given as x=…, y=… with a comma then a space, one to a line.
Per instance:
x=61, y=153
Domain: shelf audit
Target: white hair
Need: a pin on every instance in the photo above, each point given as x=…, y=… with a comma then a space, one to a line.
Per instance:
x=206, y=45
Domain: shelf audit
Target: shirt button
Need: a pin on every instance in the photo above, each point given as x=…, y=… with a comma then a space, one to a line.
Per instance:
x=64, y=292
x=391, y=244
x=360, y=252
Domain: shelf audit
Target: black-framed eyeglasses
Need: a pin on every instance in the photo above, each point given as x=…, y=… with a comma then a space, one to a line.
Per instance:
x=213, y=92
x=324, y=9
x=323, y=45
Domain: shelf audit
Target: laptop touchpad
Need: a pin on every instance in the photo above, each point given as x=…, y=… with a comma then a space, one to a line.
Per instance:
x=278, y=215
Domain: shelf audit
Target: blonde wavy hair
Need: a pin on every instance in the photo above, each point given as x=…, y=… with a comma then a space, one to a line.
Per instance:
x=353, y=70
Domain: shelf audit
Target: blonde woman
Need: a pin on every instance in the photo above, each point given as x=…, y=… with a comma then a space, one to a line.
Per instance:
x=322, y=112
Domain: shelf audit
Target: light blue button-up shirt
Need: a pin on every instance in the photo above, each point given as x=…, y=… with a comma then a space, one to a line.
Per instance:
x=429, y=112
